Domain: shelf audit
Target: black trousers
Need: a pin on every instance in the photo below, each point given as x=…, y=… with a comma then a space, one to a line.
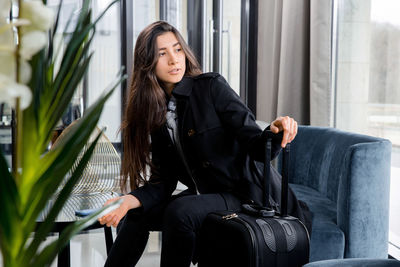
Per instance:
x=179, y=220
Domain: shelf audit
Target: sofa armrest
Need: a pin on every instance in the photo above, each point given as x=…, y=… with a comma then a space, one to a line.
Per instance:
x=363, y=199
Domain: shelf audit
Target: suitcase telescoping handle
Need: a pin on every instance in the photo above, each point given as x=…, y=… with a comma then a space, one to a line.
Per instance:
x=270, y=136
x=266, y=210
x=285, y=180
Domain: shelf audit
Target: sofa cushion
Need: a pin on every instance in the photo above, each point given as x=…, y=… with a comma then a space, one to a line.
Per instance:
x=324, y=226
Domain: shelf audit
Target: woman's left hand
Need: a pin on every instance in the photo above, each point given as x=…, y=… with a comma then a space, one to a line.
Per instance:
x=113, y=217
x=288, y=126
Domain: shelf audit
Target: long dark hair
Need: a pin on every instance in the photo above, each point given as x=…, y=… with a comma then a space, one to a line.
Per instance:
x=146, y=107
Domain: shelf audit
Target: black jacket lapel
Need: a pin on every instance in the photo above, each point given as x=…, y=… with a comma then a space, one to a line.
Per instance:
x=182, y=93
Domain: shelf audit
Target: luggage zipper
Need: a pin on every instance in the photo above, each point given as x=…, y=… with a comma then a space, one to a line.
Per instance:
x=229, y=216
x=251, y=232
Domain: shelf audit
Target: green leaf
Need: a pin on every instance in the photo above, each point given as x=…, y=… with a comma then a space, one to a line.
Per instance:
x=59, y=106
x=51, y=61
x=73, y=55
x=61, y=159
x=82, y=29
x=42, y=173
x=48, y=223
x=84, y=10
x=37, y=84
x=63, y=80
x=56, y=164
x=49, y=253
x=33, y=172
x=9, y=200
x=53, y=33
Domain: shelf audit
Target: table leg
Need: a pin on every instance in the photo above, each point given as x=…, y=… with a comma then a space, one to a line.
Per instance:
x=64, y=257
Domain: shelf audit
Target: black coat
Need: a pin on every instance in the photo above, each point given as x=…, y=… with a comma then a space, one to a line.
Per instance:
x=220, y=140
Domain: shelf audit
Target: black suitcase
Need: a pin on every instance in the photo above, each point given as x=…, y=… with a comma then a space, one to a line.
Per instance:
x=257, y=236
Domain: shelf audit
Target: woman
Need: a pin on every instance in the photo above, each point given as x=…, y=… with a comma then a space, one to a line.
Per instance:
x=201, y=134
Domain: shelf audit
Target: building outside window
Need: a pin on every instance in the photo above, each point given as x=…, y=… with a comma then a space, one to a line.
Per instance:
x=368, y=83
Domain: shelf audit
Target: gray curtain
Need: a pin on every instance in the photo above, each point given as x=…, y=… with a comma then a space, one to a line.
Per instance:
x=294, y=60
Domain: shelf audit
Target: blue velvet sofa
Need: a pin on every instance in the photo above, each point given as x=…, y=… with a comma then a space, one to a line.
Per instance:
x=344, y=178
x=363, y=262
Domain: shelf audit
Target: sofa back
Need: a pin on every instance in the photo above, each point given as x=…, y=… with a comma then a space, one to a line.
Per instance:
x=318, y=157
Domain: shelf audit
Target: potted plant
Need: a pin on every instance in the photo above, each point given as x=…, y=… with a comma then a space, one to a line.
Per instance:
x=39, y=92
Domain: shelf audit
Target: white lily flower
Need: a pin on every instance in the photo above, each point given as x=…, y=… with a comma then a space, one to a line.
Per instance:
x=31, y=43
x=15, y=23
x=25, y=71
x=9, y=91
x=7, y=66
x=7, y=45
x=5, y=6
x=6, y=38
x=40, y=16
x=9, y=69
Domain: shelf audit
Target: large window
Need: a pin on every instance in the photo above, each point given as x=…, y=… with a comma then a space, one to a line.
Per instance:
x=105, y=65
x=231, y=43
x=368, y=83
x=144, y=13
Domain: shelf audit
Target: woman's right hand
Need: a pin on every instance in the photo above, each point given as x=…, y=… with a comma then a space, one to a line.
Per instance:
x=113, y=217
